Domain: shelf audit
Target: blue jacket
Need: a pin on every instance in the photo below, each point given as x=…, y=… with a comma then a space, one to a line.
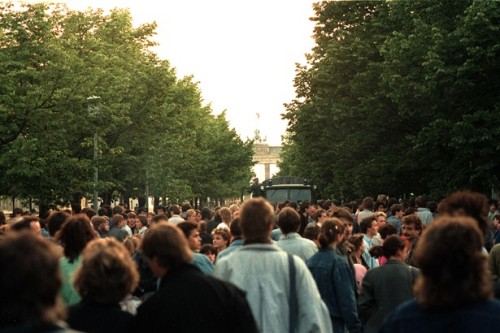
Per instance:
x=481, y=317
x=336, y=285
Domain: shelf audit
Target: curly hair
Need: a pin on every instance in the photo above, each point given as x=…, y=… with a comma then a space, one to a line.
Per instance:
x=454, y=269
x=74, y=235
x=107, y=273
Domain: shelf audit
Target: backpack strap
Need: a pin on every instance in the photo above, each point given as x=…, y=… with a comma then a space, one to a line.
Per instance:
x=293, y=304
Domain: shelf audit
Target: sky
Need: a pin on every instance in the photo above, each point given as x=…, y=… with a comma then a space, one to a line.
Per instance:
x=242, y=53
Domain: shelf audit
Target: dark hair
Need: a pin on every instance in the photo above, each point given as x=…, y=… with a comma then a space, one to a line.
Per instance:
x=30, y=280
x=24, y=223
x=288, y=220
x=107, y=273
x=356, y=240
x=392, y=245
x=89, y=212
x=366, y=223
x=467, y=203
x=420, y=201
x=368, y=203
x=330, y=229
x=186, y=227
x=396, y=208
x=117, y=210
x=162, y=207
x=206, y=213
x=2, y=218
x=312, y=232
x=256, y=218
x=343, y=213
x=167, y=243
x=208, y=248
x=55, y=222
x=415, y=220
x=387, y=230
x=74, y=235
x=143, y=219
x=174, y=209
x=454, y=269
x=116, y=220
x=103, y=212
x=159, y=218
x=234, y=228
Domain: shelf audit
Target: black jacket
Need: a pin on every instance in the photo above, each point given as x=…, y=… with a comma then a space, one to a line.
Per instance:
x=189, y=301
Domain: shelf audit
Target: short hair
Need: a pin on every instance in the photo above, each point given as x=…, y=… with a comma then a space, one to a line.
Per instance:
x=312, y=232
x=162, y=207
x=143, y=220
x=98, y=220
x=89, y=212
x=225, y=215
x=206, y=213
x=74, y=235
x=55, y=221
x=185, y=206
x=190, y=212
x=330, y=229
x=396, y=208
x=420, y=201
x=343, y=213
x=167, y=243
x=24, y=223
x=387, y=230
x=102, y=212
x=107, y=273
x=159, y=218
x=208, y=249
x=415, y=220
x=131, y=215
x=366, y=223
x=257, y=219
x=356, y=241
x=116, y=219
x=117, y=210
x=30, y=280
x=235, y=227
x=454, y=269
x=391, y=245
x=224, y=233
x=368, y=203
x=288, y=220
x=186, y=227
x=174, y=209
x=204, y=227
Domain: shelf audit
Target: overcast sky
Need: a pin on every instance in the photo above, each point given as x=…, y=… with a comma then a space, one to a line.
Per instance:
x=242, y=53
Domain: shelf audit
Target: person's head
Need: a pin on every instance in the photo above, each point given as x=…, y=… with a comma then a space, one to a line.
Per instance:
x=369, y=226
x=235, y=228
x=312, y=232
x=357, y=243
x=141, y=222
x=368, y=203
x=221, y=238
x=107, y=273
x=55, y=221
x=118, y=221
x=345, y=216
x=387, y=230
x=161, y=210
x=380, y=206
x=225, y=215
x=381, y=219
x=129, y=245
x=30, y=223
x=174, y=210
x=100, y=223
x=397, y=210
x=467, y=203
x=257, y=219
x=288, y=220
x=131, y=217
x=75, y=234
x=103, y=212
x=235, y=211
x=190, y=231
x=191, y=215
x=420, y=202
x=117, y=210
x=166, y=248
x=320, y=215
x=159, y=218
x=393, y=246
x=331, y=233
x=206, y=213
x=411, y=227
x=89, y=212
x=209, y=251
x=453, y=268
x=29, y=280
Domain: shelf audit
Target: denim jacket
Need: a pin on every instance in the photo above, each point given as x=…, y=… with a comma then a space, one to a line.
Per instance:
x=336, y=285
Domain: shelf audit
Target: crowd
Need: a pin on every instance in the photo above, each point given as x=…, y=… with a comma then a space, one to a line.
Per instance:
x=374, y=266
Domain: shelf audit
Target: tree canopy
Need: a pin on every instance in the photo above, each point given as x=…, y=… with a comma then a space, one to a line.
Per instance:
x=398, y=97
x=67, y=76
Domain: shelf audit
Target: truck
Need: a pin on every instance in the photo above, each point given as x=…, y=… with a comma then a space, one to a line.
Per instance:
x=293, y=189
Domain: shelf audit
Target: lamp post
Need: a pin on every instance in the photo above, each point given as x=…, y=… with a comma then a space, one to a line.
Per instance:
x=93, y=111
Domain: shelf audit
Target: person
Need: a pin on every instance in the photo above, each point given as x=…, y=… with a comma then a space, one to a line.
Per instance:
x=221, y=239
x=116, y=225
x=175, y=214
x=28, y=222
x=236, y=238
x=141, y=225
x=367, y=211
x=74, y=235
x=29, y=267
x=187, y=300
x=387, y=286
x=335, y=279
x=101, y=225
x=225, y=215
x=397, y=212
x=105, y=277
x=259, y=264
x=190, y=231
x=412, y=229
x=210, y=252
x=369, y=228
x=290, y=241
x=454, y=291
x=255, y=188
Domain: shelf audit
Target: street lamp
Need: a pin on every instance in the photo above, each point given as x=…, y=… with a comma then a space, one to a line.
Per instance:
x=93, y=111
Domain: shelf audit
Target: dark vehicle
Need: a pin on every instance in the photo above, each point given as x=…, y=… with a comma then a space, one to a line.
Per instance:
x=280, y=189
